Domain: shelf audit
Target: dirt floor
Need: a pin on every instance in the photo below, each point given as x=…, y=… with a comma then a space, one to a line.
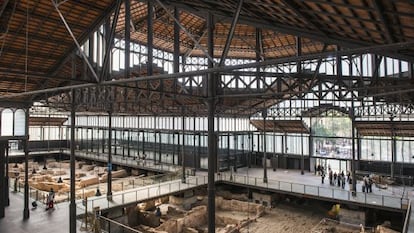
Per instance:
x=284, y=218
x=237, y=215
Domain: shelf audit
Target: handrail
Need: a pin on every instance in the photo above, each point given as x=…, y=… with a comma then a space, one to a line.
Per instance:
x=119, y=224
x=396, y=202
x=407, y=218
x=148, y=164
x=143, y=193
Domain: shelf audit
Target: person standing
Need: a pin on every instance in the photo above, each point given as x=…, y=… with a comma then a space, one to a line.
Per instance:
x=323, y=175
x=339, y=180
x=348, y=174
x=330, y=176
x=369, y=189
x=50, y=199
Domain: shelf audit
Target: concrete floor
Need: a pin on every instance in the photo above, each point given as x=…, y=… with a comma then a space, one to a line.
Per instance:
x=58, y=220
x=40, y=221
x=309, y=178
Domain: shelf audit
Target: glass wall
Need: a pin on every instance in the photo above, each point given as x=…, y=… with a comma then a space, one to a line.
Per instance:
x=380, y=149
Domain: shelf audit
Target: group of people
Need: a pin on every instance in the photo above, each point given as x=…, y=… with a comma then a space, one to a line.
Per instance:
x=367, y=184
x=339, y=178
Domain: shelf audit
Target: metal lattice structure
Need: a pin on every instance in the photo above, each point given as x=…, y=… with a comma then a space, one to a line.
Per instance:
x=284, y=44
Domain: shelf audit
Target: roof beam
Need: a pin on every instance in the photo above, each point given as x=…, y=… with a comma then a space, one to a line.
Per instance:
x=231, y=33
x=291, y=30
x=40, y=38
x=200, y=36
x=38, y=76
x=242, y=38
x=37, y=54
x=42, y=18
x=185, y=31
x=380, y=11
x=141, y=21
x=83, y=37
x=76, y=42
x=3, y=7
x=346, y=43
x=278, y=27
x=6, y=78
x=109, y=42
x=372, y=49
x=295, y=8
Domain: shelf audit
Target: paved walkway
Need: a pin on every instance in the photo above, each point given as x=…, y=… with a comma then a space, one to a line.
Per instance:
x=311, y=185
x=285, y=180
x=128, y=161
x=140, y=194
x=40, y=221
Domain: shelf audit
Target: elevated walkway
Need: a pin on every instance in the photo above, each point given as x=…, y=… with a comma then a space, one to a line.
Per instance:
x=395, y=198
x=310, y=186
x=147, y=164
x=281, y=181
x=137, y=195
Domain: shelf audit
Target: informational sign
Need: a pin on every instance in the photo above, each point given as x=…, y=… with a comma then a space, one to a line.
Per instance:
x=109, y=167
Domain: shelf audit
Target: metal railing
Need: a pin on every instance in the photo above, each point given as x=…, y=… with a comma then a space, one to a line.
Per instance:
x=39, y=195
x=407, y=218
x=396, y=202
x=143, y=193
x=129, y=161
x=109, y=225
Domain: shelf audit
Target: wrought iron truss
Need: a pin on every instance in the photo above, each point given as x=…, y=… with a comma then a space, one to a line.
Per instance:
x=240, y=93
x=242, y=89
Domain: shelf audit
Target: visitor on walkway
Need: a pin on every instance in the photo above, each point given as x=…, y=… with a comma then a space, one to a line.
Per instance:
x=323, y=176
x=369, y=185
x=363, y=185
x=339, y=181
x=348, y=174
x=343, y=180
x=330, y=176
x=335, y=176
x=50, y=200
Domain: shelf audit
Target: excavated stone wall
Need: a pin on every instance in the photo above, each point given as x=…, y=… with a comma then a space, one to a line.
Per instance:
x=179, y=221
